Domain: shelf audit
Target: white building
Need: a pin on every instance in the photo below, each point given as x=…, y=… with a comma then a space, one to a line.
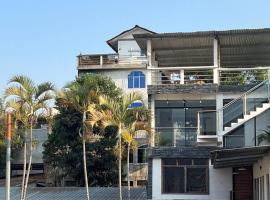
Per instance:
x=209, y=98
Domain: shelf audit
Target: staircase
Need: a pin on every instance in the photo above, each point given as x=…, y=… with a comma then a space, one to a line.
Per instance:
x=237, y=112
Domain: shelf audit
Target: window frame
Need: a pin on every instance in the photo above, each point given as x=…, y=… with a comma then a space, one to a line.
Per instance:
x=206, y=167
x=140, y=80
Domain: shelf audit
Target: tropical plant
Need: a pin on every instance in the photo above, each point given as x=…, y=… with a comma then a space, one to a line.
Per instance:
x=128, y=136
x=117, y=112
x=28, y=101
x=264, y=136
x=83, y=94
x=63, y=151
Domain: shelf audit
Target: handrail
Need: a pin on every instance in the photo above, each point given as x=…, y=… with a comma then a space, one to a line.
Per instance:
x=217, y=112
x=235, y=100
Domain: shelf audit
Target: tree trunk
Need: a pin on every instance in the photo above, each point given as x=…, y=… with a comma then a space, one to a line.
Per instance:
x=120, y=162
x=128, y=181
x=84, y=159
x=85, y=169
x=30, y=160
x=24, y=166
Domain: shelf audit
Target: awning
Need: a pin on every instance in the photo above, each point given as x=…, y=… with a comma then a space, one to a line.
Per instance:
x=238, y=157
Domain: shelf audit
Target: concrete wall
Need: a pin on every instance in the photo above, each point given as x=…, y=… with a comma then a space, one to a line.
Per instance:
x=260, y=169
x=39, y=136
x=220, y=185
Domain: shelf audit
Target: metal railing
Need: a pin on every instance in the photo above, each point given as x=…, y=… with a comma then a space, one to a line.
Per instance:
x=238, y=76
x=169, y=136
x=110, y=59
x=236, y=108
x=174, y=77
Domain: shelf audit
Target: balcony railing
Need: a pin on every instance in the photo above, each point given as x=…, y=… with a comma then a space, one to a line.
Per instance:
x=168, y=136
x=234, y=141
x=160, y=77
x=110, y=59
x=225, y=76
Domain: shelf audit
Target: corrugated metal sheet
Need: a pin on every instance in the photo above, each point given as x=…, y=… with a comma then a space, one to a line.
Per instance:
x=77, y=193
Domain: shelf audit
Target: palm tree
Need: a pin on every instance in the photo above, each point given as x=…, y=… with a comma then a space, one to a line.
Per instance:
x=118, y=113
x=128, y=136
x=264, y=136
x=29, y=100
x=83, y=95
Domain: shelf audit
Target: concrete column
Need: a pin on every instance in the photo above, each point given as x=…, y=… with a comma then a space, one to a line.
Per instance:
x=219, y=114
x=149, y=52
x=182, y=77
x=149, y=76
x=216, y=61
x=152, y=119
x=101, y=61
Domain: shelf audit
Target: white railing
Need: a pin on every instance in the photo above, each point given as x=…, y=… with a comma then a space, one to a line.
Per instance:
x=110, y=59
x=197, y=76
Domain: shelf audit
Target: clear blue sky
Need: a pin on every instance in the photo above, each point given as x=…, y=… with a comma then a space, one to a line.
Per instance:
x=41, y=39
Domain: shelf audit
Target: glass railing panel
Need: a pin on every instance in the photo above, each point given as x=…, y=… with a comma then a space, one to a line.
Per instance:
x=207, y=122
x=257, y=97
x=234, y=141
x=232, y=112
x=175, y=136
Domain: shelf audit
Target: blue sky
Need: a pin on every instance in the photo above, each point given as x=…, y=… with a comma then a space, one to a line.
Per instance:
x=41, y=39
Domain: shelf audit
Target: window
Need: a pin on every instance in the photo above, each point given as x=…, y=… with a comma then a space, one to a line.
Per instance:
x=136, y=79
x=142, y=154
x=185, y=175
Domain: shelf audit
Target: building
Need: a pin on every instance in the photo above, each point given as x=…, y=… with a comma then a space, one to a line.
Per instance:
x=208, y=92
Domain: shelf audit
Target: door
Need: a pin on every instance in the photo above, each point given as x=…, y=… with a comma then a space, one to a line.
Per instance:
x=242, y=183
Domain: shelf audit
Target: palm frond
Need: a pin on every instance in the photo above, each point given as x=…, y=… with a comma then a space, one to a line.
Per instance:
x=46, y=87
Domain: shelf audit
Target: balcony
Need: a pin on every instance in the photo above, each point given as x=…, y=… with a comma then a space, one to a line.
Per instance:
x=110, y=61
x=174, y=137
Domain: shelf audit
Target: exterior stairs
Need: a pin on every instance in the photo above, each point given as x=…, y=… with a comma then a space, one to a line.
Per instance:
x=247, y=117
x=259, y=91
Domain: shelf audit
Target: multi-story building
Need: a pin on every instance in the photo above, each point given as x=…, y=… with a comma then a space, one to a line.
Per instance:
x=208, y=93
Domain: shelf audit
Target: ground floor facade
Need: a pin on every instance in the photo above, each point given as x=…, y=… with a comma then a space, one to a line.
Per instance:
x=199, y=173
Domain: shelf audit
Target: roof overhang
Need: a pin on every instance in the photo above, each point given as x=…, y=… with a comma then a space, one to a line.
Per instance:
x=238, y=157
x=243, y=47
x=113, y=42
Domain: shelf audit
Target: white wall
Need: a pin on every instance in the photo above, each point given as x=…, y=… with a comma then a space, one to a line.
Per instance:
x=220, y=185
x=120, y=77
x=261, y=168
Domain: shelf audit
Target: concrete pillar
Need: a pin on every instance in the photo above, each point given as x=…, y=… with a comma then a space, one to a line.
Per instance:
x=182, y=76
x=152, y=103
x=101, y=61
x=216, y=61
x=149, y=52
x=219, y=114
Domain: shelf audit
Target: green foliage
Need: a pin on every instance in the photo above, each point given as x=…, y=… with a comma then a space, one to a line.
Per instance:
x=63, y=150
x=264, y=136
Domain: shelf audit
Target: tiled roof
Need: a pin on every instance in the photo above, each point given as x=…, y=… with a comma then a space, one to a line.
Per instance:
x=77, y=193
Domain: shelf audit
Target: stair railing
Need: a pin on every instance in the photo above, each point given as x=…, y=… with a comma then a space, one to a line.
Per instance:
x=235, y=109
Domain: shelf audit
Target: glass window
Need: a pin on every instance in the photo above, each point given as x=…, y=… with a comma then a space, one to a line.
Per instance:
x=173, y=180
x=142, y=155
x=185, y=175
x=136, y=79
x=196, y=179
